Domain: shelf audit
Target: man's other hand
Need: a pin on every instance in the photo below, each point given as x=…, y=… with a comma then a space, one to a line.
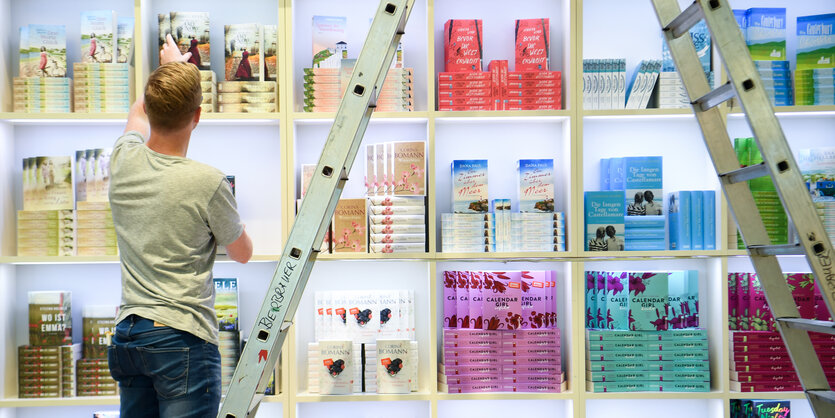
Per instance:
x=171, y=52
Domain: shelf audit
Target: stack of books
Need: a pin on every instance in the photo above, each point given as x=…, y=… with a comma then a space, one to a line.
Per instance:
x=247, y=96
x=653, y=361
x=748, y=308
x=47, y=233
x=691, y=217
x=208, y=86
x=642, y=301
x=343, y=367
x=101, y=87
x=641, y=226
x=46, y=367
x=397, y=224
x=95, y=233
x=671, y=91
x=643, y=84
x=760, y=408
x=761, y=363
x=42, y=94
x=604, y=84
x=529, y=232
x=777, y=80
x=226, y=308
x=815, y=80
x=764, y=30
x=468, y=232
x=92, y=370
x=818, y=168
x=364, y=316
x=765, y=194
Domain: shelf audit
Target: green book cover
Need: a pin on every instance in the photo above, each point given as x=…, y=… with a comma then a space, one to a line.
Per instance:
x=226, y=303
x=50, y=318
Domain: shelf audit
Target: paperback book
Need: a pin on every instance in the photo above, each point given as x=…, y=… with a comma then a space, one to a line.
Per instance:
x=270, y=52
x=350, y=226
x=48, y=50
x=329, y=46
x=124, y=39
x=469, y=186
x=533, y=41
x=98, y=36
x=643, y=183
x=604, y=221
x=49, y=183
x=50, y=318
x=98, y=326
x=536, y=185
x=243, y=52
x=190, y=31
x=226, y=303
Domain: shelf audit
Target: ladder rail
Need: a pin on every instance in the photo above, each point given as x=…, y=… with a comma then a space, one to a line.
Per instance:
x=301, y=248
x=777, y=158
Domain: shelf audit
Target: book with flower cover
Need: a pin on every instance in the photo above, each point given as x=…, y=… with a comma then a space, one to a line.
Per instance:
x=617, y=300
x=190, y=31
x=329, y=36
x=226, y=303
x=98, y=36
x=243, y=53
x=350, y=226
x=648, y=294
x=270, y=52
x=408, y=165
x=124, y=39
x=48, y=50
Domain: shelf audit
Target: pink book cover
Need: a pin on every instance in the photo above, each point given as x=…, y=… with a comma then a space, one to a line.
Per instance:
x=463, y=45
x=759, y=313
x=533, y=378
x=502, y=300
x=733, y=304
x=553, y=369
x=476, y=300
x=537, y=351
x=533, y=44
x=743, y=301
x=802, y=286
x=821, y=311
x=535, y=299
x=534, y=334
x=490, y=369
x=471, y=361
x=532, y=387
x=471, y=333
x=543, y=342
x=472, y=342
x=471, y=352
x=450, y=310
x=474, y=388
x=462, y=299
x=552, y=304
x=530, y=361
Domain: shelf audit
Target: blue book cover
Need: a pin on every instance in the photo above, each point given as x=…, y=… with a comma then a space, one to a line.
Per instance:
x=765, y=33
x=678, y=204
x=604, y=221
x=604, y=175
x=643, y=182
x=691, y=301
x=700, y=35
x=651, y=222
x=616, y=173
x=709, y=210
x=740, y=15
x=646, y=245
x=536, y=185
x=697, y=226
x=644, y=233
x=469, y=186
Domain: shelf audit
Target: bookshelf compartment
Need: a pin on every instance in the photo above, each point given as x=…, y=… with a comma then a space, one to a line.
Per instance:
x=489, y=408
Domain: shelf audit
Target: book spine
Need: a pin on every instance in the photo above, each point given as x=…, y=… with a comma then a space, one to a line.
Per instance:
x=697, y=221
x=709, y=211
x=685, y=237
x=604, y=174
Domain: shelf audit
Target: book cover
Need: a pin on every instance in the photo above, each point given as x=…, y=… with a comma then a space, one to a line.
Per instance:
x=697, y=222
x=164, y=27
x=350, y=226
x=643, y=182
x=370, y=171
x=394, y=371
x=50, y=318
x=382, y=169
x=605, y=179
x=308, y=170
x=463, y=47
x=617, y=169
x=98, y=36
x=48, y=50
x=818, y=168
x=691, y=300
x=226, y=303
x=600, y=299
x=80, y=176
x=617, y=300
x=815, y=43
x=759, y=313
x=336, y=367
x=243, y=53
x=97, y=326
x=536, y=185
x=802, y=286
x=51, y=187
x=469, y=186
x=733, y=310
x=765, y=33
x=124, y=39
x=604, y=221
x=591, y=302
x=535, y=299
x=678, y=207
x=26, y=67
x=532, y=40
x=709, y=219
x=648, y=294
x=270, y=52
x=408, y=165
x=476, y=297
x=743, y=301
x=462, y=299
x=190, y=31
x=329, y=36
x=502, y=292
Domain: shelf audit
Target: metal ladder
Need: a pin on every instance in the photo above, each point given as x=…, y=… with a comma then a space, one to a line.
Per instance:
x=302, y=247
x=778, y=163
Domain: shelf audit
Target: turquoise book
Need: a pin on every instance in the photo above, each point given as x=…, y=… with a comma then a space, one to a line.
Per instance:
x=536, y=185
x=678, y=209
x=616, y=173
x=676, y=296
x=740, y=15
x=604, y=221
x=700, y=36
x=691, y=300
x=469, y=186
x=643, y=183
x=604, y=175
x=591, y=303
x=648, y=294
x=600, y=299
x=617, y=300
x=697, y=227
x=709, y=219
x=765, y=33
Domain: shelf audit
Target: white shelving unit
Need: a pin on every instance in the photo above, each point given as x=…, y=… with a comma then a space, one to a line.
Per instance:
x=265, y=153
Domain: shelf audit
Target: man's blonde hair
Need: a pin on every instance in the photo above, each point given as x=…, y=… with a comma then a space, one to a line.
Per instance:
x=172, y=95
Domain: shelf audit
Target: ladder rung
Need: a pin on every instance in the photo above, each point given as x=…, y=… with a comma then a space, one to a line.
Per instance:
x=782, y=249
x=746, y=173
x=716, y=97
x=823, y=395
x=686, y=20
x=826, y=327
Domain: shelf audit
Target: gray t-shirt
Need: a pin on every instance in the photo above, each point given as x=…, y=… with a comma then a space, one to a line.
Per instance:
x=170, y=214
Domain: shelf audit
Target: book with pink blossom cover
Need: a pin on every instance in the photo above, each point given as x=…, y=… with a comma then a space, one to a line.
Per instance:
x=350, y=226
x=648, y=295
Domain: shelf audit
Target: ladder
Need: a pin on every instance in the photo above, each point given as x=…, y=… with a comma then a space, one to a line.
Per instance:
x=778, y=163
x=301, y=249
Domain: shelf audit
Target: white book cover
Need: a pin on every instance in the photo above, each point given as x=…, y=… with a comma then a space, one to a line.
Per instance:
x=394, y=371
x=329, y=41
x=98, y=36
x=336, y=367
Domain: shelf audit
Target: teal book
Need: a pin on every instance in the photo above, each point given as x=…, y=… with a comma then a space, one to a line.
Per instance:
x=617, y=300
x=591, y=302
x=618, y=376
x=677, y=295
x=697, y=228
x=765, y=33
x=616, y=173
x=645, y=222
x=709, y=219
x=469, y=186
x=604, y=221
x=691, y=301
x=599, y=387
x=614, y=335
x=648, y=293
x=643, y=183
x=600, y=299
x=226, y=303
x=678, y=210
x=124, y=39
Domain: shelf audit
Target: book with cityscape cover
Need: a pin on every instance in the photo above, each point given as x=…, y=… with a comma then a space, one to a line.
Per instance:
x=98, y=36
x=190, y=31
x=270, y=52
x=226, y=303
x=243, y=52
x=48, y=50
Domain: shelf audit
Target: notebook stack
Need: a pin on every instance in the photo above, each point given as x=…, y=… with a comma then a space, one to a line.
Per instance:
x=247, y=97
x=761, y=363
x=101, y=87
x=649, y=361
x=42, y=94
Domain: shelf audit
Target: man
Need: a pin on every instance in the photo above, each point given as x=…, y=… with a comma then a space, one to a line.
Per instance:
x=170, y=214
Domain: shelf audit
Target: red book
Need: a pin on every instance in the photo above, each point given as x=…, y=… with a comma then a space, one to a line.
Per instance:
x=471, y=76
x=765, y=387
x=534, y=75
x=463, y=48
x=546, y=100
x=556, y=106
x=466, y=101
x=535, y=92
x=466, y=108
x=765, y=377
x=460, y=93
x=533, y=44
x=498, y=71
x=535, y=84
x=465, y=84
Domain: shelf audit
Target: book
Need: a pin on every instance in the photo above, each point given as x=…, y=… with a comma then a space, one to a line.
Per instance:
x=697, y=224
x=50, y=318
x=765, y=33
x=25, y=66
x=48, y=50
x=98, y=325
x=98, y=36
x=190, y=31
x=643, y=183
x=617, y=169
x=350, y=226
x=270, y=52
x=617, y=300
x=164, y=28
x=124, y=39
x=395, y=372
x=243, y=52
x=679, y=219
x=815, y=46
x=329, y=46
x=536, y=185
x=50, y=183
x=469, y=186
x=408, y=167
x=463, y=48
x=226, y=303
x=336, y=367
x=604, y=224
x=532, y=44
x=648, y=295
x=709, y=219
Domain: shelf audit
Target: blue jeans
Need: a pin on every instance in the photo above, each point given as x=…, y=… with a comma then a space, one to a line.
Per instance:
x=164, y=372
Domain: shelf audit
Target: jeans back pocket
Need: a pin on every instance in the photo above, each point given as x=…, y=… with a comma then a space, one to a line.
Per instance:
x=168, y=368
